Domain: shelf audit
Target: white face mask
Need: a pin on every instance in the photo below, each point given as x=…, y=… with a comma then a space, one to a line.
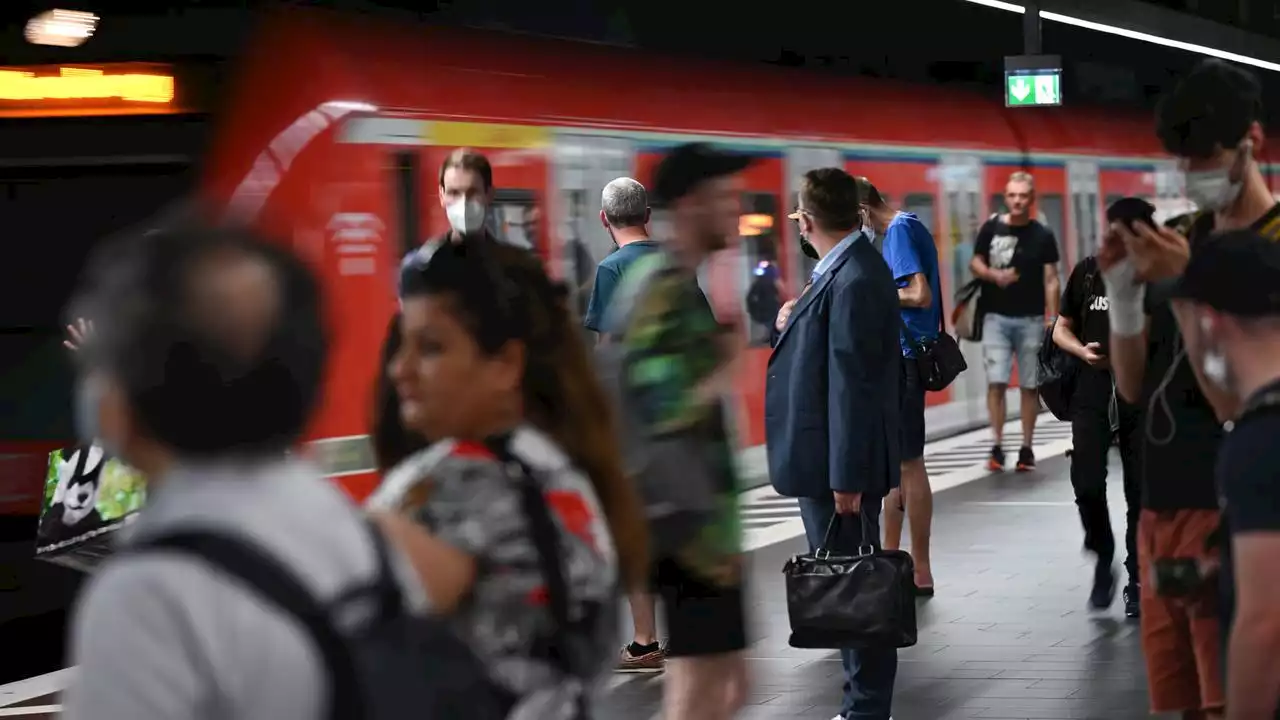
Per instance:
x=1213, y=190
x=465, y=216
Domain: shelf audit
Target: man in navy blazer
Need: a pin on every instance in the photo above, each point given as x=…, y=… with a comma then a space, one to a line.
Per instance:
x=831, y=401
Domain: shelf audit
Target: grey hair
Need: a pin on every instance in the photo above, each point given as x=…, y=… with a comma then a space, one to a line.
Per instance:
x=625, y=203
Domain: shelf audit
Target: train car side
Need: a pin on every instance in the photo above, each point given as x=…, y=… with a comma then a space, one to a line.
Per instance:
x=560, y=119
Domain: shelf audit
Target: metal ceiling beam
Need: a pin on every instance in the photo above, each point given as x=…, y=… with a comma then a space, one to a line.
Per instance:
x=1156, y=20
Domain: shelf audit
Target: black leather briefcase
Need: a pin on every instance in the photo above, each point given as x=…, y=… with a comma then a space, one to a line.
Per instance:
x=865, y=600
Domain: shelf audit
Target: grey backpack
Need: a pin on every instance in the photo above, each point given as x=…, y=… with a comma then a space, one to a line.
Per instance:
x=673, y=471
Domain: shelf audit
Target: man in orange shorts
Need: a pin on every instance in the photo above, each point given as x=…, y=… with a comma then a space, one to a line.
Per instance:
x=1211, y=123
x=1181, y=625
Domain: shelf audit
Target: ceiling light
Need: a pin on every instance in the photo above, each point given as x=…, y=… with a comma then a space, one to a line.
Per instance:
x=1134, y=35
x=61, y=28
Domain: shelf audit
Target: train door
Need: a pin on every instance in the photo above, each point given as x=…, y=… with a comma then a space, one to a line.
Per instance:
x=1083, y=187
x=1170, y=191
x=758, y=247
x=961, y=214
x=801, y=159
x=583, y=165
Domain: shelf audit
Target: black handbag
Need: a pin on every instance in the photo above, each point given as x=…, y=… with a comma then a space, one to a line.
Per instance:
x=865, y=600
x=939, y=359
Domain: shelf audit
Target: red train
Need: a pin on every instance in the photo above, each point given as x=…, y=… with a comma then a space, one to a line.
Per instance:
x=335, y=127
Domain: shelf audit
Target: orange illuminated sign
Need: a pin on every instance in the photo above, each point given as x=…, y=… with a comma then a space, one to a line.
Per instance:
x=98, y=90
x=754, y=224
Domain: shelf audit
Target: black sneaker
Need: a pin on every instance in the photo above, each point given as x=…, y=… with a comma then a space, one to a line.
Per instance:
x=1104, y=586
x=995, y=463
x=1132, y=608
x=1026, y=460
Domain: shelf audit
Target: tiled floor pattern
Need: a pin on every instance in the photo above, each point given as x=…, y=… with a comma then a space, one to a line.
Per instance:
x=963, y=455
x=1007, y=636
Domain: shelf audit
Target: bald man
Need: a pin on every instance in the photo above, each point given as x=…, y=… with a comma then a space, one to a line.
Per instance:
x=205, y=365
x=624, y=212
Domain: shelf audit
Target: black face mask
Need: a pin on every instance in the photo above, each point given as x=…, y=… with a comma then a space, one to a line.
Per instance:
x=807, y=248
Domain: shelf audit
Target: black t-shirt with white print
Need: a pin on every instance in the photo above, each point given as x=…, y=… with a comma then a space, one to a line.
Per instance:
x=1084, y=303
x=1025, y=248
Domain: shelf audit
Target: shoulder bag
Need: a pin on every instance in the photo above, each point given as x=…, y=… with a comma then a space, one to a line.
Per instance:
x=865, y=600
x=939, y=359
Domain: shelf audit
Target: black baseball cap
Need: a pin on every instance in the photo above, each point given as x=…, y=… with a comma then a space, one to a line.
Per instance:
x=686, y=166
x=1237, y=273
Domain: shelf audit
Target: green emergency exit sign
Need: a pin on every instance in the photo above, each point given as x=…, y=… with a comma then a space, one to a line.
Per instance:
x=1040, y=89
x=1032, y=80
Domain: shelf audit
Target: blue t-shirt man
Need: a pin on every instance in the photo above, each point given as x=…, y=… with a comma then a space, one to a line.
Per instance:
x=909, y=249
x=608, y=275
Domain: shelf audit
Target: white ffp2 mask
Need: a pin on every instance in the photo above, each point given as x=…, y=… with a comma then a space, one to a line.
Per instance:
x=1213, y=190
x=465, y=216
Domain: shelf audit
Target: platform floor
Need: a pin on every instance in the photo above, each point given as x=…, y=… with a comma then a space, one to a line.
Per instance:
x=1007, y=636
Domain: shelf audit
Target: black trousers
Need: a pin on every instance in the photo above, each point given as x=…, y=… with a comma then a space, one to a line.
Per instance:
x=1091, y=438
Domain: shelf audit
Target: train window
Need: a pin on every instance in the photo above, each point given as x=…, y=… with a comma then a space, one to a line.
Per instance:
x=1097, y=215
x=997, y=204
x=578, y=264
x=1088, y=227
x=514, y=217
x=802, y=263
x=758, y=230
x=1051, y=211
x=405, y=168
x=921, y=204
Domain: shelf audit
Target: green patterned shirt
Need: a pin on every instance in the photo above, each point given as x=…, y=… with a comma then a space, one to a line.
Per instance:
x=673, y=342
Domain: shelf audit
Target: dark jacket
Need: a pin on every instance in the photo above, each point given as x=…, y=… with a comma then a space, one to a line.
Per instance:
x=831, y=396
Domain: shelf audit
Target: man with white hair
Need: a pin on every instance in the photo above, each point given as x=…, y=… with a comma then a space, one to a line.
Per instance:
x=624, y=212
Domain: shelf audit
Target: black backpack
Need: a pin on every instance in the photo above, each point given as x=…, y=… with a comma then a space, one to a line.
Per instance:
x=1058, y=370
x=395, y=664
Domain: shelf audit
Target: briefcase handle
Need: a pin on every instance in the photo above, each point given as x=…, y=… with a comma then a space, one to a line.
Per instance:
x=864, y=549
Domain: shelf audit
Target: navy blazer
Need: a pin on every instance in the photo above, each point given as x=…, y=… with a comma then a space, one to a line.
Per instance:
x=831, y=396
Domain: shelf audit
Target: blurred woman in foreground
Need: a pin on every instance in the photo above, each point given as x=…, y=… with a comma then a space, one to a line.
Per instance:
x=492, y=364
x=392, y=442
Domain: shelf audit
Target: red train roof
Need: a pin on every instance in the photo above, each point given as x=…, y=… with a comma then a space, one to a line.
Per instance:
x=304, y=58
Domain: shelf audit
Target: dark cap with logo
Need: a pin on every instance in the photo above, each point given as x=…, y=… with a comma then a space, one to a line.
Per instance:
x=1237, y=273
x=687, y=166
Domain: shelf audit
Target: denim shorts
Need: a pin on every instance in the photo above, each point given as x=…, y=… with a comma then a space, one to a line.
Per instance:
x=1003, y=337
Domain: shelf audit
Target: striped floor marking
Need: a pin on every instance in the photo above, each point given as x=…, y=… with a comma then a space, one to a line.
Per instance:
x=31, y=710
x=768, y=518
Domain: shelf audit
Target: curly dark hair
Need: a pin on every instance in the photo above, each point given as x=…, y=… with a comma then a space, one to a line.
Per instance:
x=1214, y=106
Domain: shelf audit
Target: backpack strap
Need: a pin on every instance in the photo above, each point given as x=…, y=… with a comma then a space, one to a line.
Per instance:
x=546, y=540
x=271, y=580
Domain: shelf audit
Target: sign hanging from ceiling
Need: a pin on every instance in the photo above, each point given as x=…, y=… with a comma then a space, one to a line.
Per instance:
x=117, y=89
x=1032, y=81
